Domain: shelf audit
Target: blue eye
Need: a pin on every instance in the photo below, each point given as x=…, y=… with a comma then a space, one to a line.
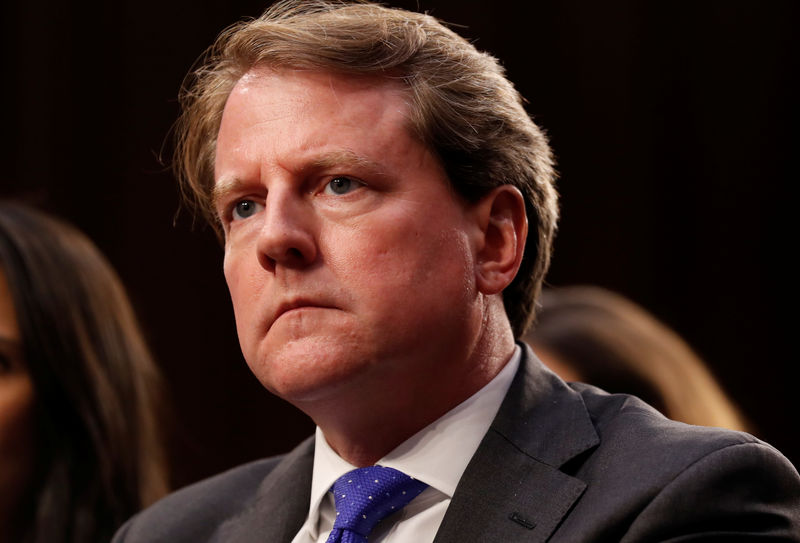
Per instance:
x=341, y=185
x=244, y=209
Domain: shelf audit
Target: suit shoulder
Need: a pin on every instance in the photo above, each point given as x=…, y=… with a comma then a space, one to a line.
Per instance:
x=193, y=512
x=747, y=489
x=659, y=479
x=625, y=421
x=637, y=443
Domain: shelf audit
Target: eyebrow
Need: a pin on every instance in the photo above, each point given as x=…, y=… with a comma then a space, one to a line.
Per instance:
x=333, y=159
x=222, y=188
x=345, y=158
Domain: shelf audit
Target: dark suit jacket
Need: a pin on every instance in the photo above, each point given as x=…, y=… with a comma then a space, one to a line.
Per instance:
x=566, y=463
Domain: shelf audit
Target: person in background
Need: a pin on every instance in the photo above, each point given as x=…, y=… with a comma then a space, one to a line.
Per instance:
x=79, y=441
x=590, y=334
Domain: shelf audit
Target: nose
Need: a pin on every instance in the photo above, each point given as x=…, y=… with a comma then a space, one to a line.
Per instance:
x=286, y=238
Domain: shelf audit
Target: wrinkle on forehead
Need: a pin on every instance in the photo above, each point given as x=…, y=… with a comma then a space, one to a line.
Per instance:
x=337, y=83
x=255, y=87
x=335, y=80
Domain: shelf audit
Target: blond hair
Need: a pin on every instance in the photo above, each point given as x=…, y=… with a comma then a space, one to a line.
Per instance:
x=611, y=342
x=462, y=107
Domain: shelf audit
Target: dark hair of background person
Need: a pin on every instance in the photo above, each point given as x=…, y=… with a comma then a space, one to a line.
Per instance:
x=99, y=455
x=461, y=106
x=609, y=341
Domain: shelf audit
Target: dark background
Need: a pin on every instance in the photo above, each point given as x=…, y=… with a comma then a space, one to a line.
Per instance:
x=675, y=127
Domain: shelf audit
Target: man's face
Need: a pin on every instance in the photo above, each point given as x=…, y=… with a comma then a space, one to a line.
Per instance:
x=348, y=256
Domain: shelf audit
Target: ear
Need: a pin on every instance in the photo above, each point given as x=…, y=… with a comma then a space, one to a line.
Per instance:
x=503, y=227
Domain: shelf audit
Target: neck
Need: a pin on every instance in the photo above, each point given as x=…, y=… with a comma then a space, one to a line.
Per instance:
x=378, y=416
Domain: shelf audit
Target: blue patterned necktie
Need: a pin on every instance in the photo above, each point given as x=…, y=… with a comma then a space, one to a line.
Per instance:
x=364, y=496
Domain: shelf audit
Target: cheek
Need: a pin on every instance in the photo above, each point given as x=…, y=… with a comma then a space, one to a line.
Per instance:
x=17, y=432
x=401, y=264
x=16, y=406
x=229, y=267
x=238, y=278
x=233, y=269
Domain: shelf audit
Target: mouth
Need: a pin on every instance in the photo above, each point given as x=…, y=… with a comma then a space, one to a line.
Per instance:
x=299, y=304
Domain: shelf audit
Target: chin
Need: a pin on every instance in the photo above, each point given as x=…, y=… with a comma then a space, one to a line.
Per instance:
x=308, y=369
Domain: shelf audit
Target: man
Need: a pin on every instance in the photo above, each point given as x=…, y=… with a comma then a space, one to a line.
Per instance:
x=376, y=178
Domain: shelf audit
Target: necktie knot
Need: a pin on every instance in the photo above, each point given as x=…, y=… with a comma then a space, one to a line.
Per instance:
x=364, y=496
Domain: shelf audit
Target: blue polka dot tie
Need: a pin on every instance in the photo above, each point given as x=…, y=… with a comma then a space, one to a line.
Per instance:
x=364, y=496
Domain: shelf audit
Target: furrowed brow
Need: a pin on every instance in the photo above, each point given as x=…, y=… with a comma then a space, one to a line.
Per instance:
x=335, y=159
x=345, y=159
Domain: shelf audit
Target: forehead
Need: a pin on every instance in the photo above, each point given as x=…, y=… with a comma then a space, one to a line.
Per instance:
x=273, y=114
x=276, y=93
x=389, y=82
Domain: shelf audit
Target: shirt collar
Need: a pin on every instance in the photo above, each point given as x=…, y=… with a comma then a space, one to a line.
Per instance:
x=438, y=454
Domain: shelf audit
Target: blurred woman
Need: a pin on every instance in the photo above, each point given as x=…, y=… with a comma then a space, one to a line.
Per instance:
x=593, y=335
x=79, y=446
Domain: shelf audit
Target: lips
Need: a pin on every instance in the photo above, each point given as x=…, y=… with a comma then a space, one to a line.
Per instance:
x=299, y=303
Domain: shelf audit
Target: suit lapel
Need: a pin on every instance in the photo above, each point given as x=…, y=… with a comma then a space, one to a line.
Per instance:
x=281, y=506
x=513, y=489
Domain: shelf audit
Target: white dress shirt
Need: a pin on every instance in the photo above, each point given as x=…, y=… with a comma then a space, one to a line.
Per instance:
x=437, y=455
